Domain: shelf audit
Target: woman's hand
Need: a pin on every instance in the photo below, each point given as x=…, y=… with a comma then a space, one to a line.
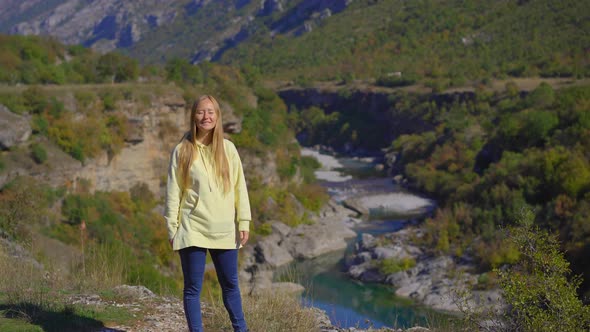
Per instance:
x=244, y=237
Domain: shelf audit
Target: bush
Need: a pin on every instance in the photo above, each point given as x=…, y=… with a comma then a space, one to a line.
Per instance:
x=38, y=153
x=537, y=289
x=540, y=294
x=393, y=265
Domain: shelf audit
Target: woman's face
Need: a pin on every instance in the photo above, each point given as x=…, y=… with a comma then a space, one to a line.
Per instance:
x=205, y=116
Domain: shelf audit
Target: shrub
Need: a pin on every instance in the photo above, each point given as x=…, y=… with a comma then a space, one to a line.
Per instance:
x=109, y=101
x=540, y=294
x=14, y=102
x=38, y=153
x=34, y=99
x=84, y=98
x=394, y=265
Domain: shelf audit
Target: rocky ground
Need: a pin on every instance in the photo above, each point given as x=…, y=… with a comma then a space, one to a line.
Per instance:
x=440, y=282
x=328, y=233
x=164, y=314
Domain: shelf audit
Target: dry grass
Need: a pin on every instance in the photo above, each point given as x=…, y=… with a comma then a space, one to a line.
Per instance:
x=27, y=288
x=103, y=268
x=267, y=312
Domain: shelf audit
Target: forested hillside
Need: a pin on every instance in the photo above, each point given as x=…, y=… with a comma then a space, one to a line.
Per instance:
x=440, y=42
x=395, y=42
x=486, y=157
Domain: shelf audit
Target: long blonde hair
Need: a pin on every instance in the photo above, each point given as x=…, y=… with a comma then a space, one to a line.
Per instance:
x=187, y=154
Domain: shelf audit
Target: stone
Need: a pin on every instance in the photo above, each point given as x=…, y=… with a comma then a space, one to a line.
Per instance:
x=133, y=292
x=367, y=241
x=14, y=128
x=386, y=253
x=268, y=251
x=418, y=329
x=281, y=229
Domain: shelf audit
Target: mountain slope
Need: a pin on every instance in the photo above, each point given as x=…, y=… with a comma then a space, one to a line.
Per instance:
x=450, y=39
x=151, y=31
x=446, y=42
x=102, y=24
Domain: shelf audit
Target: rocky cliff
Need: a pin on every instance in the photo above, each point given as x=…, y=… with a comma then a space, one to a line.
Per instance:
x=383, y=110
x=102, y=24
x=153, y=130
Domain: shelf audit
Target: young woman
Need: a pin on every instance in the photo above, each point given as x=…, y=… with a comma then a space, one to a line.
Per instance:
x=206, y=196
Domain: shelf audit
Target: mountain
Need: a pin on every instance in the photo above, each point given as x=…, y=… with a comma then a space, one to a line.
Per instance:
x=154, y=31
x=103, y=24
x=441, y=43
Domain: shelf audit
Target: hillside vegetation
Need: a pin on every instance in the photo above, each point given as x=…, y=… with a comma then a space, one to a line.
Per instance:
x=394, y=42
x=117, y=237
x=439, y=42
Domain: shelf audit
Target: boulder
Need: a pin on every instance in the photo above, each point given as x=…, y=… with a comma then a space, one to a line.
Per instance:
x=14, y=128
x=367, y=242
x=308, y=241
x=281, y=229
x=386, y=253
x=269, y=251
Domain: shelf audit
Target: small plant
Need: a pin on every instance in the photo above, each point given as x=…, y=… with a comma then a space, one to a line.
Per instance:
x=394, y=265
x=38, y=153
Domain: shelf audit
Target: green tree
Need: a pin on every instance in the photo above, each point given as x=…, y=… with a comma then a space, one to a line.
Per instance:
x=538, y=290
x=115, y=67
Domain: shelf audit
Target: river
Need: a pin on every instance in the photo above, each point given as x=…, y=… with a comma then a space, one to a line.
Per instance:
x=350, y=303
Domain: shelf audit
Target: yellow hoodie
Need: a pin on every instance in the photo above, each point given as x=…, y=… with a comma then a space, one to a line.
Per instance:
x=206, y=217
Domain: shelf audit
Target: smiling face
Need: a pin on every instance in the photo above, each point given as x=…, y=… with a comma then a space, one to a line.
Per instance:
x=205, y=117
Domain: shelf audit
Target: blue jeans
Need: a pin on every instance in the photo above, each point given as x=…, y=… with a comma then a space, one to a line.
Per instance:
x=193, y=269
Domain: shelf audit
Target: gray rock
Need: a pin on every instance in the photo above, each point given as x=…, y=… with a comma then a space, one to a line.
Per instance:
x=14, y=128
x=281, y=229
x=268, y=251
x=367, y=242
x=363, y=257
x=386, y=253
x=313, y=240
x=357, y=271
x=418, y=329
x=133, y=292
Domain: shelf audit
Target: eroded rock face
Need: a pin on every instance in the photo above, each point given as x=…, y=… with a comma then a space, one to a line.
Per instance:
x=14, y=128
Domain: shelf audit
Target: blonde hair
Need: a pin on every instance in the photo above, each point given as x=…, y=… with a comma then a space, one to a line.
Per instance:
x=187, y=154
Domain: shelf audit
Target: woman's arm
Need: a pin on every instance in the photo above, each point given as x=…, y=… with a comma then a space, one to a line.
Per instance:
x=173, y=195
x=243, y=215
